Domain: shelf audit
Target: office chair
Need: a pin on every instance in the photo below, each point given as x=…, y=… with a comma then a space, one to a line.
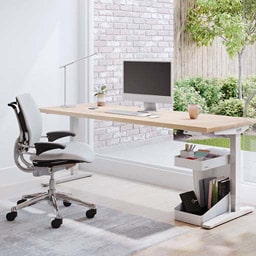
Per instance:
x=45, y=158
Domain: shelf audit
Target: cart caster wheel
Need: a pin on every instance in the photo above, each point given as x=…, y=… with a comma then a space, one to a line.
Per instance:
x=56, y=223
x=91, y=213
x=21, y=201
x=10, y=216
x=66, y=203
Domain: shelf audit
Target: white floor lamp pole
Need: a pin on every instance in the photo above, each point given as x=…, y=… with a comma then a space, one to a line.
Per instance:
x=65, y=76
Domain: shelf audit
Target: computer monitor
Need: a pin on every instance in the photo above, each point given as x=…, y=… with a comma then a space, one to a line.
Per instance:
x=147, y=81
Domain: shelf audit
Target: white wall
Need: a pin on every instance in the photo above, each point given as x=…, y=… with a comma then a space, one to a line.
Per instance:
x=36, y=37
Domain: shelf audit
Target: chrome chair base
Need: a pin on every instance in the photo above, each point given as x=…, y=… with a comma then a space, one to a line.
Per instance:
x=52, y=197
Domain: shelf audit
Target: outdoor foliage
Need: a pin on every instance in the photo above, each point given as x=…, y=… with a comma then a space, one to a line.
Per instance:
x=234, y=21
x=185, y=95
x=251, y=108
x=248, y=142
x=210, y=91
x=230, y=107
x=216, y=96
x=249, y=86
x=229, y=88
x=205, y=92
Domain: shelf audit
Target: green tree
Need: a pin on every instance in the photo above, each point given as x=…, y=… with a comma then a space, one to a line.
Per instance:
x=234, y=21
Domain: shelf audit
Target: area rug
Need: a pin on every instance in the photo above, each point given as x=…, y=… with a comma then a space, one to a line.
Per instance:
x=109, y=233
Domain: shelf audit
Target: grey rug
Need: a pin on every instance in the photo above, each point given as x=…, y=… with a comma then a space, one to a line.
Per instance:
x=109, y=233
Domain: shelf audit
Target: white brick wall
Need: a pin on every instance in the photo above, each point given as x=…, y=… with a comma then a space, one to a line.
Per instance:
x=128, y=29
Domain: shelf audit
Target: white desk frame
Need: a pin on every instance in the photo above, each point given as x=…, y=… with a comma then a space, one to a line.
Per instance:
x=219, y=125
x=235, y=175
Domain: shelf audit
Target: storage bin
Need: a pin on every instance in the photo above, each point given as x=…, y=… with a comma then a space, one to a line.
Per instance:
x=219, y=208
x=201, y=164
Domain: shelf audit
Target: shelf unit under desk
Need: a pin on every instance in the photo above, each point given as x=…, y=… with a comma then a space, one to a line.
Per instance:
x=206, y=168
x=229, y=207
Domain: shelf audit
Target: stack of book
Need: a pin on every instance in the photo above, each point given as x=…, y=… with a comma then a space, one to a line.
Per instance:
x=212, y=190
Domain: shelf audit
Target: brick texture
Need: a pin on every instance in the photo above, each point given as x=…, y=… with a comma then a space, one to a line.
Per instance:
x=128, y=29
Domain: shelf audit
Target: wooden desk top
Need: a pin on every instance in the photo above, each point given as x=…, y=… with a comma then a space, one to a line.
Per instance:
x=205, y=123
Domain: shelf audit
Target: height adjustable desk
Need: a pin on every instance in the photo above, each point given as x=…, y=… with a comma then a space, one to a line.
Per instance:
x=206, y=123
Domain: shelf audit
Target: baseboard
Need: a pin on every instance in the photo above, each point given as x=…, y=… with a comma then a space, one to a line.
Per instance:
x=134, y=144
x=167, y=177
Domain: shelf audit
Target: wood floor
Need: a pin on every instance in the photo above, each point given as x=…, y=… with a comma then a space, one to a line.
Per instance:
x=237, y=237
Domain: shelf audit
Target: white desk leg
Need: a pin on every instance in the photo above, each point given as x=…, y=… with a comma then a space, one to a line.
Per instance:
x=235, y=164
x=235, y=174
x=73, y=175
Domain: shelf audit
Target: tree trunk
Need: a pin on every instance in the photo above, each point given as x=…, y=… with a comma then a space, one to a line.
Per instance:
x=240, y=92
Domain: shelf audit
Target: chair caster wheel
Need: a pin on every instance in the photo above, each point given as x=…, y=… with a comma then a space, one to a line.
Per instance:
x=66, y=203
x=91, y=213
x=21, y=201
x=56, y=223
x=10, y=216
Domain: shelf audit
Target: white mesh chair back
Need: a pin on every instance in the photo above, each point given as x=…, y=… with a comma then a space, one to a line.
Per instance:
x=32, y=117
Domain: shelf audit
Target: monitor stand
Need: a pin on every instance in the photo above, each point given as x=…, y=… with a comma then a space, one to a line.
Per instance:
x=148, y=106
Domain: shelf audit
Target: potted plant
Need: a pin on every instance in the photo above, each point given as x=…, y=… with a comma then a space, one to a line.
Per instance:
x=100, y=94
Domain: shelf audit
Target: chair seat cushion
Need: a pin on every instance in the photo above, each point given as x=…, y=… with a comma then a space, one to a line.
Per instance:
x=74, y=151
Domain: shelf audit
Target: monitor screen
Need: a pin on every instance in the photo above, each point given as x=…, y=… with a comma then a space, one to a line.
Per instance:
x=147, y=81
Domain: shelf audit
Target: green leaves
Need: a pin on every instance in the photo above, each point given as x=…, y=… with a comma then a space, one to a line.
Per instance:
x=234, y=21
x=230, y=107
x=101, y=90
x=213, y=95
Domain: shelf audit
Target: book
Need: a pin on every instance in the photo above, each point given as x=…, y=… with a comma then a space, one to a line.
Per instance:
x=223, y=188
x=202, y=201
x=209, y=204
x=190, y=202
x=217, y=189
x=205, y=188
x=214, y=192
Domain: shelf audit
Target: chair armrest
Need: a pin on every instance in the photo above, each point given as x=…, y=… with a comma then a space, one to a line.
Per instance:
x=46, y=146
x=52, y=136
